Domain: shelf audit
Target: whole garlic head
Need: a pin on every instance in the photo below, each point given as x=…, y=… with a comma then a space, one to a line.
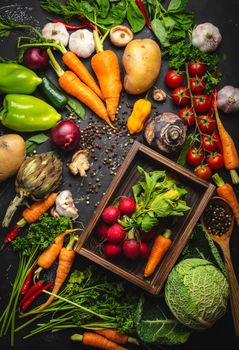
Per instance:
x=65, y=205
x=82, y=43
x=228, y=99
x=206, y=37
x=57, y=32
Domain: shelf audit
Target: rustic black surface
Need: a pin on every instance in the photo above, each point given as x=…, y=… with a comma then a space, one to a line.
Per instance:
x=225, y=16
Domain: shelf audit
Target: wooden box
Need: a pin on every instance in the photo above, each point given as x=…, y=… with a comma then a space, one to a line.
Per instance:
x=199, y=191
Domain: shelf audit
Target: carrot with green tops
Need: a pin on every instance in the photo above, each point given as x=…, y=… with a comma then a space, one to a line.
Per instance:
x=106, y=67
x=72, y=85
x=230, y=154
x=159, y=249
x=115, y=336
x=96, y=340
x=226, y=191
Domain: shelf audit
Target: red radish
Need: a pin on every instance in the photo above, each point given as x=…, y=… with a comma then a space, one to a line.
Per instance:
x=102, y=230
x=127, y=206
x=146, y=236
x=131, y=248
x=116, y=234
x=111, y=250
x=144, y=250
x=110, y=215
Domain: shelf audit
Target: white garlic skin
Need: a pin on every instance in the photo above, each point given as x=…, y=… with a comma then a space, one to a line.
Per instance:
x=206, y=37
x=228, y=99
x=82, y=43
x=65, y=205
x=57, y=32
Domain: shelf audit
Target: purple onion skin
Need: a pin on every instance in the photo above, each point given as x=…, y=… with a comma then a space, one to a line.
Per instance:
x=36, y=59
x=65, y=135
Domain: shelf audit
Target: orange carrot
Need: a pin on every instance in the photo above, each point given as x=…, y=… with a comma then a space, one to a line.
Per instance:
x=96, y=340
x=226, y=191
x=72, y=85
x=33, y=213
x=106, y=67
x=115, y=336
x=230, y=154
x=73, y=63
x=159, y=249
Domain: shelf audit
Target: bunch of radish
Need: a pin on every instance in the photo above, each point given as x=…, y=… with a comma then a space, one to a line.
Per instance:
x=116, y=239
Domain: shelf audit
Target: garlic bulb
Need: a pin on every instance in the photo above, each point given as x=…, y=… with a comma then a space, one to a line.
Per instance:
x=228, y=99
x=57, y=32
x=206, y=37
x=65, y=205
x=82, y=43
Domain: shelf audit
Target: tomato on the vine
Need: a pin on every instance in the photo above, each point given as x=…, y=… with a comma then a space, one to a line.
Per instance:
x=195, y=156
x=186, y=113
x=181, y=96
x=203, y=171
x=174, y=78
x=209, y=143
x=215, y=160
x=202, y=103
x=197, y=85
x=197, y=68
x=206, y=124
x=219, y=142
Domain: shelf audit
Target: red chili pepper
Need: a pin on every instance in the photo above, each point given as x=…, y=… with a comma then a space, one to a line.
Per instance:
x=69, y=26
x=10, y=236
x=89, y=24
x=28, y=280
x=31, y=292
x=144, y=13
x=34, y=296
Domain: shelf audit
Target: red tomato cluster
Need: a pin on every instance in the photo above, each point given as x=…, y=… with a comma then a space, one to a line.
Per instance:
x=196, y=111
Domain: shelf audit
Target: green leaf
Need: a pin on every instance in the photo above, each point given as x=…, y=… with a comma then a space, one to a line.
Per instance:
x=177, y=6
x=160, y=31
x=168, y=22
x=148, y=222
x=188, y=144
x=104, y=7
x=135, y=17
x=116, y=15
x=35, y=140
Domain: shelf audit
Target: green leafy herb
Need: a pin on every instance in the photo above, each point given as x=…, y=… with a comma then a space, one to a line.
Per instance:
x=188, y=144
x=7, y=25
x=35, y=140
x=135, y=17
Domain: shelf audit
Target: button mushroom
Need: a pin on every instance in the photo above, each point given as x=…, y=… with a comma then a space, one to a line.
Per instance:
x=121, y=35
x=80, y=163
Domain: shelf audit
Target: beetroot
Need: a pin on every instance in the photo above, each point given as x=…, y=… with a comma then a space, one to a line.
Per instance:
x=127, y=206
x=116, y=234
x=146, y=236
x=111, y=250
x=131, y=248
x=102, y=230
x=144, y=250
x=110, y=215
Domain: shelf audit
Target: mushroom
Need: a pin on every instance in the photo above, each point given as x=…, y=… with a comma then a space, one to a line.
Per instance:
x=57, y=32
x=80, y=163
x=82, y=43
x=121, y=35
x=206, y=37
x=159, y=95
x=65, y=205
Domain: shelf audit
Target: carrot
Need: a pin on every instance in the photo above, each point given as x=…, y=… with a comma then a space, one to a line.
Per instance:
x=72, y=85
x=33, y=213
x=73, y=63
x=230, y=154
x=159, y=249
x=96, y=340
x=115, y=336
x=106, y=67
x=66, y=259
x=226, y=191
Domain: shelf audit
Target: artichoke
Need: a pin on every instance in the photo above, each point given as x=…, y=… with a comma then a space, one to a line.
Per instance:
x=38, y=176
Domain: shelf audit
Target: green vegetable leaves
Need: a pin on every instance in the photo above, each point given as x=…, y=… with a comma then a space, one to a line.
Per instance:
x=176, y=6
x=135, y=17
x=35, y=140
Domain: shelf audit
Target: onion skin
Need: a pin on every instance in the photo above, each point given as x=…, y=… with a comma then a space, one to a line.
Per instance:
x=228, y=99
x=65, y=135
x=36, y=58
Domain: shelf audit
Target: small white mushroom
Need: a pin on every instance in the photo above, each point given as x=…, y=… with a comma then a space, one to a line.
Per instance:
x=80, y=163
x=65, y=205
x=206, y=37
x=121, y=35
x=82, y=43
x=57, y=32
x=159, y=95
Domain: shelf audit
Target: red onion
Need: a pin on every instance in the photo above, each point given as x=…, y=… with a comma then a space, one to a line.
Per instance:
x=36, y=58
x=65, y=135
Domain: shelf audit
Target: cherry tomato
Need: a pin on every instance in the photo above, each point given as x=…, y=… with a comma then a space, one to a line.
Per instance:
x=195, y=156
x=197, y=68
x=215, y=160
x=202, y=103
x=174, y=78
x=203, y=171
x=219, y=143
x=186, y=113
x=180, y=96
x=197, y=85
x=206, y=124
x=209, y=143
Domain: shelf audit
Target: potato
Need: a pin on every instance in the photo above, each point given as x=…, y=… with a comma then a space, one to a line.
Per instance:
x=142, y=62
x=12, y=154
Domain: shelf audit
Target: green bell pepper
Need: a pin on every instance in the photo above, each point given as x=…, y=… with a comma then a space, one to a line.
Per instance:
x=27, y=113
x=17, y=79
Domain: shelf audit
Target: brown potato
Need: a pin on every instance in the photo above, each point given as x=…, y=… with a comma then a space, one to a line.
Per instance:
x=12, y=154
x=142, y=62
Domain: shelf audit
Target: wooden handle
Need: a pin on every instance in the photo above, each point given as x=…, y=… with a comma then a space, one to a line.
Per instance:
x=233, y=283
